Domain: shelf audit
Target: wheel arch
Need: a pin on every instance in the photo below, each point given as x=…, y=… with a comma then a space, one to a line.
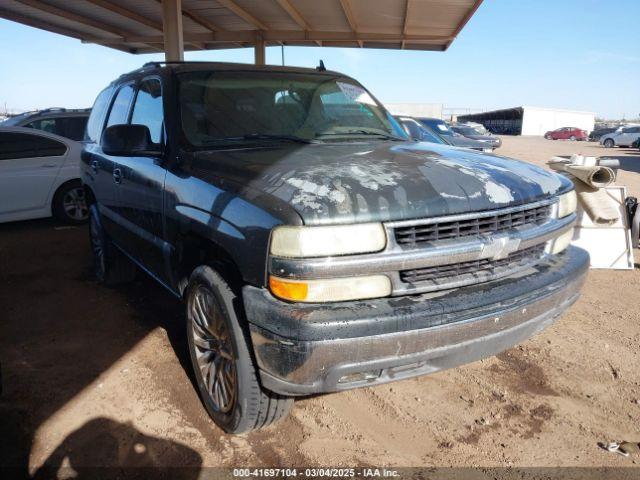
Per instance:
x=193, y=250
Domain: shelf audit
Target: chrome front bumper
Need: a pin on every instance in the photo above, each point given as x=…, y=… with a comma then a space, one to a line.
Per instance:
x=310, y=348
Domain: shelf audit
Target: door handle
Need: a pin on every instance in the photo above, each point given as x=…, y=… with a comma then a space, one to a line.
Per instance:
x=94, y=166
x=117, y=175
x=49, y=165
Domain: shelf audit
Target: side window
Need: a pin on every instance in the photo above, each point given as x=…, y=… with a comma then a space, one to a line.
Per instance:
x=22, y=145
x=119, y=113
x=94, y=125
x=46, y=125
x=148, y=108
x=72, y=127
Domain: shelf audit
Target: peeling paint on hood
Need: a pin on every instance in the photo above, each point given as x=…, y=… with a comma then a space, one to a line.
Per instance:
x=380, y=181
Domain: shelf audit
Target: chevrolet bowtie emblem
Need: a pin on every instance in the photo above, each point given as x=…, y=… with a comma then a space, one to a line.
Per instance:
x=500, y=247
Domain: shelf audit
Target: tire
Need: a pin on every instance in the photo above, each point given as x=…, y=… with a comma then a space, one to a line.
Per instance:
x=220, y=353
x=572, y=138
x=548, y=137
x=69, y=204
x=111, y=266
x=609, y=143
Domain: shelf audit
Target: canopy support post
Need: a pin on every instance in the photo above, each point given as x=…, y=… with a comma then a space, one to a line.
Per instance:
x=172, y=30
x=260, y=50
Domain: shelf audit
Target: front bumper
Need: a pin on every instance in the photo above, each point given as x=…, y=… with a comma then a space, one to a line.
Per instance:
x=311, y=348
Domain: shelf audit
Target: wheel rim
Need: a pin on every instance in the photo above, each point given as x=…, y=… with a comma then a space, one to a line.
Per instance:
x=213, y=352
x=97, y=247
x=75, y=205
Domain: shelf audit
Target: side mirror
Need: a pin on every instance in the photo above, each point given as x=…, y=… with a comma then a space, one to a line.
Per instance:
x=129, y=140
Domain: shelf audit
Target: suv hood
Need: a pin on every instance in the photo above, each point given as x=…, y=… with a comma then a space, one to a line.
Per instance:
x=381, y=181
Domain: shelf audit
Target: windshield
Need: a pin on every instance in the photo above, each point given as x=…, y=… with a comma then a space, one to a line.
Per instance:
x=427, y=135
x=228, y=107
x=438, y=126
x=467, y=131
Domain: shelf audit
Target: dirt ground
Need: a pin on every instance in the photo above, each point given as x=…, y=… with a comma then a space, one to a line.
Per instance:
x=96, y=376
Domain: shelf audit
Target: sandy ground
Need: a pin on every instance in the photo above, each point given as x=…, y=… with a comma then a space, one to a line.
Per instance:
x=97, y=376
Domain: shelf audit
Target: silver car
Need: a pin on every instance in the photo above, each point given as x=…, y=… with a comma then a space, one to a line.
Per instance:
x=622, y=137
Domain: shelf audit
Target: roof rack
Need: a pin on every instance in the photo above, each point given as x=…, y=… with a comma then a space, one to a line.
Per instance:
x=172, y=62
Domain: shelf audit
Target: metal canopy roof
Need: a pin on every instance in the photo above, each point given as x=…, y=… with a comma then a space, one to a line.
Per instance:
x=136, y=26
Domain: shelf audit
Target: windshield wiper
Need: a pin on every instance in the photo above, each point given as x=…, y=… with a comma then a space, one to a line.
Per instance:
x=267, y=136
x=386, y=136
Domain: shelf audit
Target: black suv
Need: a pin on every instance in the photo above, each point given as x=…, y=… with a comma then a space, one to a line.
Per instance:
x=316, y=248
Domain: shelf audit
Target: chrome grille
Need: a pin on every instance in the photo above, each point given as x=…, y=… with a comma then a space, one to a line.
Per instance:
x=480, y=270
x=484, y=224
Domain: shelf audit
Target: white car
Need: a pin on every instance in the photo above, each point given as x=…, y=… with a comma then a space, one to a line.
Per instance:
x=622, y=137
x=40, y=176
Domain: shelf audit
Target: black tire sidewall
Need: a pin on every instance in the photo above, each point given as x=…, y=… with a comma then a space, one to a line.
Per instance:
x=96, y=232
x=234, y=421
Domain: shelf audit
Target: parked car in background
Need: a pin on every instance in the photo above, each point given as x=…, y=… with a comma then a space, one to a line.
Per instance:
x=566, y=133
x=478, y=126
x=316, y=248
x=596, y=134
x=441, y=128
x=419, y=132
x=622, y=137
x=40, y=176
x=473, y=134
x=68, y=123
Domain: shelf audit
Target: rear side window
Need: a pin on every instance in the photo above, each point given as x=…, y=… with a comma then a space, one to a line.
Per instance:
x=68, y=127
x=94, y=125
x=72, y=127
x=22, y=145
x=119, y=113
x=46, y=125
x=148, y=108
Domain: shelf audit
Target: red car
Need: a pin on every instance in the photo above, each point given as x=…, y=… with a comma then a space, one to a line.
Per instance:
x=566, y=133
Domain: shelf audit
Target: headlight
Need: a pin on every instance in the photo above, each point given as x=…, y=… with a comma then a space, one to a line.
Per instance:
x=324, y=241
x=560, y=243
x=567, y=204
x=331, y=290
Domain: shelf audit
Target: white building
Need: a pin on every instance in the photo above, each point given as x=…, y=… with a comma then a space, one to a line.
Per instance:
x=528, y=120
x=429, y=110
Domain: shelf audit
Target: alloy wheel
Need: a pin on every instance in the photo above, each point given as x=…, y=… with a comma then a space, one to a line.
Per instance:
x=75, y=205
x=211, y=343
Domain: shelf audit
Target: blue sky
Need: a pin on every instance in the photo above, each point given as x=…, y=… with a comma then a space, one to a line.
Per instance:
x=575, y=54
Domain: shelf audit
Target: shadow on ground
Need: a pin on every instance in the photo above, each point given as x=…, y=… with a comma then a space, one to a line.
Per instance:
x=630, y=163
x=59, y=330
x=103, y=448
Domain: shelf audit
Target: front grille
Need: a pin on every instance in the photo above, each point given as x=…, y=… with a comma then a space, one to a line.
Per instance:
x=484, y=224
x=479, y=270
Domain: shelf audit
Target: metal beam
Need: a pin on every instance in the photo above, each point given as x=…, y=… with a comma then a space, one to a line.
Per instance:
x=35, y=23
x=59, y=12
x=346, y=8
x=172, y=28
x=242, y=13
x=296, y=16
x=407, y=11
x=275, y=36
x=124, y=12
x=464, y=21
